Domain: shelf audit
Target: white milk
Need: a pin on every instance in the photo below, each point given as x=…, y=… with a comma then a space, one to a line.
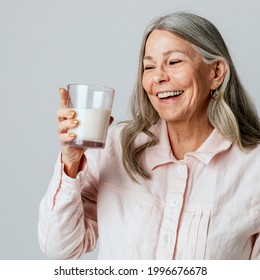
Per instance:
x=93, y=124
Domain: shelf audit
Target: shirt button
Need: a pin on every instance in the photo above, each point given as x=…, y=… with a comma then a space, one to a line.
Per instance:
x=167, y=239
x=181, y=169
x=257, y=221
x=174, y=203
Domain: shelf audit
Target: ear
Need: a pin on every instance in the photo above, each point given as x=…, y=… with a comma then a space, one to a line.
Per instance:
x=219, y=70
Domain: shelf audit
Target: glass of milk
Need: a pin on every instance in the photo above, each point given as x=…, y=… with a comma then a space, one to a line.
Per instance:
x=92, y=104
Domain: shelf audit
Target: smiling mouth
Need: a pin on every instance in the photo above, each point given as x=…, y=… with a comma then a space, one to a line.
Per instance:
x=168, y=94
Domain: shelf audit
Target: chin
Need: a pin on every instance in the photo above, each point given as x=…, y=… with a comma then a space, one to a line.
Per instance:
x=169, y=117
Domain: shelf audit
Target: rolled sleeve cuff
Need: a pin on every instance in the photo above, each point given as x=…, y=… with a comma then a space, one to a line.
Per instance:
x=64, y=185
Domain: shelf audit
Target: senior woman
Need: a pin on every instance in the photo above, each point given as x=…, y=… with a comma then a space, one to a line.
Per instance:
x=178, y=181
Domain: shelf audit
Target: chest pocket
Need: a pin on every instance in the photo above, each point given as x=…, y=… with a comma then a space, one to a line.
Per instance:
x=192, y=235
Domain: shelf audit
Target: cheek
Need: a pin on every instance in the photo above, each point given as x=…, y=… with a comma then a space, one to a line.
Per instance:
x=205, y=76
x=193, y=80
x=182, y=78
x=153, y=100
x=145, y=83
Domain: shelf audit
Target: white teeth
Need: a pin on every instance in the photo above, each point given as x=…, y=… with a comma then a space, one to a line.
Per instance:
x=169, y=93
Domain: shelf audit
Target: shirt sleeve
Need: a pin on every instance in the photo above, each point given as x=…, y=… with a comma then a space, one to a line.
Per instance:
x=67, y=225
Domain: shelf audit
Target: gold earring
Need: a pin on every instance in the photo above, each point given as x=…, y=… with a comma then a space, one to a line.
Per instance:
x=214, y=94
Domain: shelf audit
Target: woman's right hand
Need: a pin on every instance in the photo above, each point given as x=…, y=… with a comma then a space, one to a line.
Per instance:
x=71, y=156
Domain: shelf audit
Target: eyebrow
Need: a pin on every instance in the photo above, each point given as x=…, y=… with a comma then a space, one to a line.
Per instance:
x=164, y=54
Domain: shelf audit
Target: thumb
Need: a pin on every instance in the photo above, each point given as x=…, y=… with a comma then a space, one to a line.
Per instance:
x=64, y=98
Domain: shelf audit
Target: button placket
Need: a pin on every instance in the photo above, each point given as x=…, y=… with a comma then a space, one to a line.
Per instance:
x=181, y=169
x=172, y=210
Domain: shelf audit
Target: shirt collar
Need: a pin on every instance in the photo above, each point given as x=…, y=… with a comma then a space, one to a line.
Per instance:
x=213, y=145
x=162, y=153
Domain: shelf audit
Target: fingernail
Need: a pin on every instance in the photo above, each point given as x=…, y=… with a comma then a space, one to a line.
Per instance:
x=74, y=122
x=71, y=113
x=72, y=135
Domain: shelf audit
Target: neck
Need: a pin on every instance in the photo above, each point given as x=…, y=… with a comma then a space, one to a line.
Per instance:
x=187, y=137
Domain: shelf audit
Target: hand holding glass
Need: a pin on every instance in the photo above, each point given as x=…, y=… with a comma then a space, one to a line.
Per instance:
x=93, y=105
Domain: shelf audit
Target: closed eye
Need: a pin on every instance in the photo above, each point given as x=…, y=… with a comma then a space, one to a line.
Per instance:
x=174, y=62
x=148, y=67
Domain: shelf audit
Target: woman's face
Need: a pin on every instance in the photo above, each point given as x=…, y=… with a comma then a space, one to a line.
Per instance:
x=175, y=77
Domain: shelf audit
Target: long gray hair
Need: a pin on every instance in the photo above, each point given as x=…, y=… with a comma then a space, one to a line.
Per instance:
x=231, y=111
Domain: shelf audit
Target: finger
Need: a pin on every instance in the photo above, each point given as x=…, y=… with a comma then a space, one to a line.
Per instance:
x=67, y=124
x=64, y=113
x=67, y=137
x=64, y=98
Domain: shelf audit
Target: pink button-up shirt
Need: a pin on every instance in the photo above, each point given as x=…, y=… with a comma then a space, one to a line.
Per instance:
x=206, y=206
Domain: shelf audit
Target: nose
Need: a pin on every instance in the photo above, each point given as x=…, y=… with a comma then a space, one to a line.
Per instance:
x=160, y=76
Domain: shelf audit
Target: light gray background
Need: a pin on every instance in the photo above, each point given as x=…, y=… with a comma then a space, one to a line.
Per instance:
x=47, y=44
